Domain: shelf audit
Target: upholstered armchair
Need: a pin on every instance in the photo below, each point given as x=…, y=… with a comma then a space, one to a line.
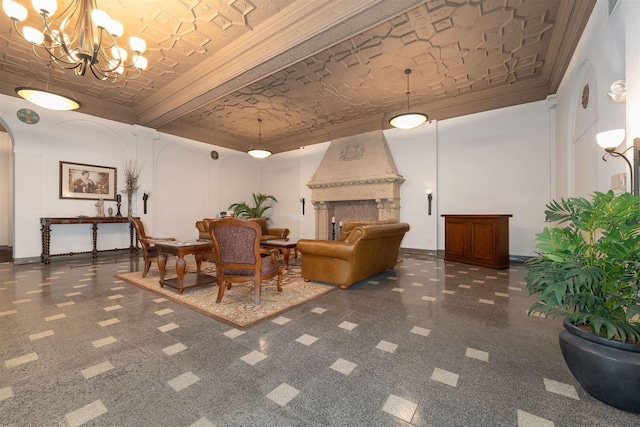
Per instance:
x=149, y=251
x=238, y=256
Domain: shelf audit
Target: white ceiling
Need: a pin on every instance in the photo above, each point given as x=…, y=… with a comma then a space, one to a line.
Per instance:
x=314, y=70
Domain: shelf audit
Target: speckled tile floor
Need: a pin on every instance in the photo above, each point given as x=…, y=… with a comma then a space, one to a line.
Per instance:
x=430, y=343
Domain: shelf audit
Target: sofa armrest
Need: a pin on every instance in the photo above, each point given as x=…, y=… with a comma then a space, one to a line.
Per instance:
x=202, y=227
x=282, y=233
x=326, y=248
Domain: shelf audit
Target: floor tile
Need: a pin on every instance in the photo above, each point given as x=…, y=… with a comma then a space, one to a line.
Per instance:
x=347, y=325
x=283, y=394
x=343, y=366
x=17, y=361
x=40, y=335
x=562, y=389
x=420, y=331
x=168, y=327
x=253, y=357
x=445, y=377
x=86, y=413
x=281, y=320
x=387, y=346
x=306, y=339
x=95, y=370
x=6, y=393
x=526, y=419
x=477, y=354
x=400, y=408
x=183, y=381
x=233, y=333
x=174, y=349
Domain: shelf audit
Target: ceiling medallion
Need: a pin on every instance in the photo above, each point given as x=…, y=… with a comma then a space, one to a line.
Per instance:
x=28, y=116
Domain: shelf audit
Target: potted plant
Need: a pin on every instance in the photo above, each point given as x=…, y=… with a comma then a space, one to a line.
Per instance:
x=243, y=210
x=587, y=269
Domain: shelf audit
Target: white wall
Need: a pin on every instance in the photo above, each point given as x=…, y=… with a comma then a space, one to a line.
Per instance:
x=599, y=60
x=184, y=182
x=6, y=193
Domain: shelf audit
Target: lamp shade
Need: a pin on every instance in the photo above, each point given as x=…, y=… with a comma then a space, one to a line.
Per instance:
x=408, y=120
x=259, y=154
x=610, y=139
x=47, y=99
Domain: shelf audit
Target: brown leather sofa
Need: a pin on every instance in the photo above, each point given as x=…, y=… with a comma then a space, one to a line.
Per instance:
x=267, y=233
x=364, y=250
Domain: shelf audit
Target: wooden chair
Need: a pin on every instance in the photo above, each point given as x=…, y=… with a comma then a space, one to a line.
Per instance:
x=237, y=254
x=149, y=251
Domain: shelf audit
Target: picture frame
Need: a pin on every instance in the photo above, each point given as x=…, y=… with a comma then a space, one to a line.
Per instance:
x=87, y=182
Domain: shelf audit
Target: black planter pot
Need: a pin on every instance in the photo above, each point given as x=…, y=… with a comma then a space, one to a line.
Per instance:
x=608, y=370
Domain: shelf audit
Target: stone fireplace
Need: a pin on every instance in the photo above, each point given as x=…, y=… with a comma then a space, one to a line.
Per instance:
x=357, y=180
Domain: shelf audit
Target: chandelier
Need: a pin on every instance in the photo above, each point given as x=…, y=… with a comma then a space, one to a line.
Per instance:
x=82, y=37
x=408, y=120
x=259, y=153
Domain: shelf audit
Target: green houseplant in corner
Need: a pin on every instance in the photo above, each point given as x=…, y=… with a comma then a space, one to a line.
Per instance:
x=587, y=269
x=243, y=210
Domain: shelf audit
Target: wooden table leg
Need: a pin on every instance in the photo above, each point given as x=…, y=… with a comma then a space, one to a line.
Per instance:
x=162, y=263
x=181, y=265
x=285, y=252
x=198, y=262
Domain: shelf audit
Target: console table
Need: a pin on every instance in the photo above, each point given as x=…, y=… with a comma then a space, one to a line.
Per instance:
x=477, y=239
x=46, y=224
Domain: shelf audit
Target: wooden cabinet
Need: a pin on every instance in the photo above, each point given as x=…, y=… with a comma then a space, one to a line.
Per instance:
x=477, y=239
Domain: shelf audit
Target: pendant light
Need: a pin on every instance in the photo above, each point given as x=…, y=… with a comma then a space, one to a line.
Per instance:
x=408, y=120
x=46, y=98
x=259, y=153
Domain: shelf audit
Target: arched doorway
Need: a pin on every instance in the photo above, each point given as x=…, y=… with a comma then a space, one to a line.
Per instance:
x=6, y=196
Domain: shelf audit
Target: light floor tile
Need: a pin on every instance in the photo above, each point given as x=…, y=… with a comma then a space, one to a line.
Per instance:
x=65, y=304
x=391, y=278
x=486, y=301
x=420, y=331
x=39, y=291
x=400, y=408
x=39, y=335
x=478, y=281
x=348, y=325
x=174, y=349
x=104, y=341
x=168, y=327
x=253, y=357
x=445, y=377
x=164, y=311
x=514, y=288
x=118, y=296
x=108, y=322
x=434, y=279
x=86, y=413
x=22, y=301
x=233, y=333
x=526, y=419
x=427, y=298
x=120, y=281
x=318, y=310
x=98, y=369
x=118, y=288
x=343, y=366
x=183, y=381
x=85, y=280
x=203, y=422
x=281, y=320
x=113, y=307
x=491, y=277
x=389, y=347
x=5, y=393
x=502, y=294
x=562, y=389
x=73, y=294
x=417, y=284
x=159, y=300
x=79, y=286
x=373, y=282
x=397, y=290
x=477, y=354
x=448, y=292
x=55, y=317
x=306, y=339
x=409, y=274
x=17, y=361
x=449, y=275
x=464, y=286
x=283, y=394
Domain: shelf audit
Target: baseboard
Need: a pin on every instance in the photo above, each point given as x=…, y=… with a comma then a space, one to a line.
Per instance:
x=30, y=260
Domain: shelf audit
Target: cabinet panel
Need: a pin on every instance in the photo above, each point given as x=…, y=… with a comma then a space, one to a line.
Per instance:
x=477, y=239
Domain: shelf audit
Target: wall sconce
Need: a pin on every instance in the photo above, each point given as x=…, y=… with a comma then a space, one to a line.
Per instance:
x=145, y=197
x=618, y=91
x=610, y=141
x=429, y=198
x=302, y=201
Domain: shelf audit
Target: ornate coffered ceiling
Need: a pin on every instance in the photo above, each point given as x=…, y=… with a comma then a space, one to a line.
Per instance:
x=315, y=70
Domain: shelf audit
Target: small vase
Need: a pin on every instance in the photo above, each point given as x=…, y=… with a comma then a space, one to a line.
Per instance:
x=129, y=205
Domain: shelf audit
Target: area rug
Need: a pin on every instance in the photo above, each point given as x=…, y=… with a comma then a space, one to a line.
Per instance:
x=237, y=307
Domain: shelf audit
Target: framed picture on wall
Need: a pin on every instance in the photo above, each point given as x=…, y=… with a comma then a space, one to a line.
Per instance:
x=88, y=182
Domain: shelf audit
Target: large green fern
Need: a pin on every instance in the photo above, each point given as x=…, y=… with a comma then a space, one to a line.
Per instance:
x=588, y=265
